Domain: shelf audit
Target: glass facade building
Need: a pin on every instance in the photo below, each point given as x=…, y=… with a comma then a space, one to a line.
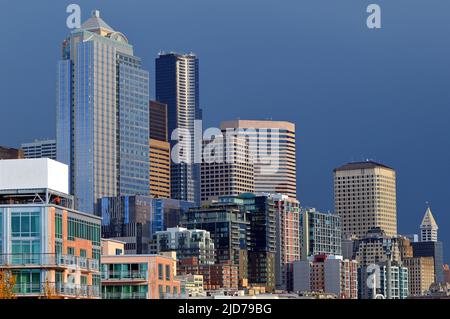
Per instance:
x=177, y=85
x=102, y=115
x=134, y=219
x=49, y=248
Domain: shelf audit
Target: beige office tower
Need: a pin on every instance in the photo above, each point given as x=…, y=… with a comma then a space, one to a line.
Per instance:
x=365, y=198
x=159, y=169
x=227, y=168
x=420, y=274
x=272, y=144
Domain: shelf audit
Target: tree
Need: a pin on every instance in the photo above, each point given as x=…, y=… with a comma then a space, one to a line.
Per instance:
x=49, y=291
x=7, y=283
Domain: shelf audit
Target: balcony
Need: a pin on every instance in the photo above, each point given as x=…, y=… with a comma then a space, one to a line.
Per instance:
x=59, y=290
x=48, y=261
x=126, y=296
x=113, y=276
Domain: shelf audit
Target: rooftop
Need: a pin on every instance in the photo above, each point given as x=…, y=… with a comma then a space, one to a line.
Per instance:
x=95, y=23
x=361, y=165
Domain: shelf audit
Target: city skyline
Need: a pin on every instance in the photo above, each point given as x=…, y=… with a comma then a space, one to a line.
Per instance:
x=323, y=199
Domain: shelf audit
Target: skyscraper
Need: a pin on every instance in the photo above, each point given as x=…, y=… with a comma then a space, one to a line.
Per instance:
x=40, y=149
x=102, y=114
x=365, y=198
x=230, y=170
x=287, y=240
x=272, y=145
x=159, y=151
x=428, y=227
x=177, y=85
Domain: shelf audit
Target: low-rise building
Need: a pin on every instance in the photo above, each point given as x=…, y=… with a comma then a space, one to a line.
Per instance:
x=139, y=277
x=327, y=274
x=191, y=285
x=52, y=250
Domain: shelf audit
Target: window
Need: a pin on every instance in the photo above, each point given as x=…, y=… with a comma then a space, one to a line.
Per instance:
x=167, y=272
x=119, y=252
x=58, y=226
x=83, y=253
x=160, y=272
x=26, y=251
x=25, y=224
x=84, y=280
x=70, y=251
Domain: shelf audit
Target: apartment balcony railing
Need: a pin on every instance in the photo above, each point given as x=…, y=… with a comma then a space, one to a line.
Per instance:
x=57, y=290
x=48, y=260
x=118, y=295
x=124, y=275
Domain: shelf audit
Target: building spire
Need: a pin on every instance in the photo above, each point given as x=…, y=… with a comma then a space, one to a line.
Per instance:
x=428, y=227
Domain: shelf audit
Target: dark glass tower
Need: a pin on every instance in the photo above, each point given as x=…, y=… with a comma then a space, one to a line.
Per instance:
x=177, y=85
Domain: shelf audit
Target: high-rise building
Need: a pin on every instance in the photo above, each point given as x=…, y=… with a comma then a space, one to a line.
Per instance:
x=421, y=274
x=428, y=227
x=50, y=248
x=10, y=153
x=177, y=85
x=262, y=239
x=376, y=247
x=134, y=219
x=327, y=274
x=158, y=121
x=159, y=169
x=159, y=151
x=386, y=280
x=139, y=277
x=228, y=223
x=40, y=149
x=102, y=114
x=320, y=233
x=272, y=145
x=431, y=249
x=186, y=243
x=365, y=198
x=228, y=169
x=287, y=220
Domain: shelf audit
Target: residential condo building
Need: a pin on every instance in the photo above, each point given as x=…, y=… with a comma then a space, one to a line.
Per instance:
x=10, y=153
x=320, y=233
x=51, y=249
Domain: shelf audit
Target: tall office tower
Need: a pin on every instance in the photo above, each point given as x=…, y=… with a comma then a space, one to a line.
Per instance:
x=272, y=144
x=177, y=85
x=365, y=198
x=320, y=233
x=227, y=169
x=287, y=219
x=10, y=153
x=159, y=151
x=102, y=114
x=227, y=221
x=431, y=249
x=40, y=149
x=428, y=227
x=421, y=274
x=327, y=274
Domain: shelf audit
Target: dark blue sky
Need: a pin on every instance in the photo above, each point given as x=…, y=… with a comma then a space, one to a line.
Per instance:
x=354, y=93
